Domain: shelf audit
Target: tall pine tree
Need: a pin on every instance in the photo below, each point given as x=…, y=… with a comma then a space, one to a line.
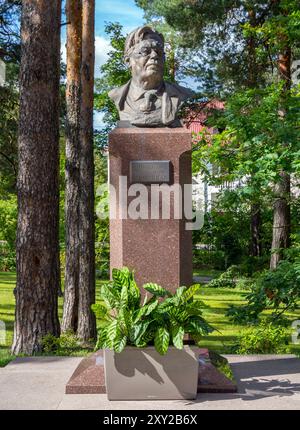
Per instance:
x=38, y=273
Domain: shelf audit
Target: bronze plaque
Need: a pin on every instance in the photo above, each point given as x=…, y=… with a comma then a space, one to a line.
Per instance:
x=150, y=172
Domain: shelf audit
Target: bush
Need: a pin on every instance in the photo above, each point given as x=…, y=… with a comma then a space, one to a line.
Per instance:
x=204, y=258
x=226, y=279
x=66, y=344
x=244, y=284
x=278, y=290
x=266, y=338
x=250, y=265
x=8, y=220
x=7, y=259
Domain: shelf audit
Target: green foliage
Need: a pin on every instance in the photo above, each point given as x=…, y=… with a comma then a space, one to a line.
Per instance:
x=255, y=147
x=252, y=143
x=114, y=73
x=266, y=338
x=9, y=102
x=8, y=225
x=8, y=220
x=278, y=290
x=227, y=235
x=67, y=344
x=235, y=44
x=125, y=321
x=7, y=259
x=227, y=279
x=102, y=219
x=5, y=357
x=203, y=258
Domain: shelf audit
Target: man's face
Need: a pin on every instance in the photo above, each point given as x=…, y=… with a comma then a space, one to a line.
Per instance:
x=147, y=61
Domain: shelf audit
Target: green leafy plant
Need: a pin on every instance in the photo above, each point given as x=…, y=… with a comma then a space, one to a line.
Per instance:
x=278, y=290
x=266, y=338
x=163, y=319
x=226, y=279
x=67, y=344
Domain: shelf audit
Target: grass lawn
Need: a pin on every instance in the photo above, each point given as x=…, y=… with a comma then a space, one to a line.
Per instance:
x=217, y=300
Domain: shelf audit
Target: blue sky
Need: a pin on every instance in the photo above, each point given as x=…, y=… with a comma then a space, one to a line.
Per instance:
x=124, y=11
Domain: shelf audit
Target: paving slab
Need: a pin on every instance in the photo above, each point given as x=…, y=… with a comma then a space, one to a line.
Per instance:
x=264, y=382
x=35, y=382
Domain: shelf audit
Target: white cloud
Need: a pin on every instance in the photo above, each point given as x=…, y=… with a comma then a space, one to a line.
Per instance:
x=102, y=47
x=98, y=120
x=63, y=51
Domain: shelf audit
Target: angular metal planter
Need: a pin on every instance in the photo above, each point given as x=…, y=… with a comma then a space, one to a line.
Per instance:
x=144, y=374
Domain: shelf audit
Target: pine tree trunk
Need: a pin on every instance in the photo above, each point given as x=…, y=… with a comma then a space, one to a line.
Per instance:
x=72, y=193
x=37, y=243
x=281, y=219
x=86, y=318
x=282, y=190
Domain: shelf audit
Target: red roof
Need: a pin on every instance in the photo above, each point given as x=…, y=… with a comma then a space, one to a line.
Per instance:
x=195, y=118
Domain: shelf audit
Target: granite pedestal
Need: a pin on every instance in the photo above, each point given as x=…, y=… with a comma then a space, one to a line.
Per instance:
x=89, y=377
x=158, y=250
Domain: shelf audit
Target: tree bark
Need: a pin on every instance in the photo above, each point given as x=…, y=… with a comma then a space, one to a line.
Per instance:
x=282, y=190
x=73, y=94
x=281, y=219
x=37, y=243
x=86, y=318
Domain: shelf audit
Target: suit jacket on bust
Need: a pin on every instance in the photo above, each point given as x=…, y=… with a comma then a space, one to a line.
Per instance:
x=169, y=97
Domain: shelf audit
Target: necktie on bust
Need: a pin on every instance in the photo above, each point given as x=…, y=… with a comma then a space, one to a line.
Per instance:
x=149, y=100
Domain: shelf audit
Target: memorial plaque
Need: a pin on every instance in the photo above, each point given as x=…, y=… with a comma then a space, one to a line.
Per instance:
x=150, y=172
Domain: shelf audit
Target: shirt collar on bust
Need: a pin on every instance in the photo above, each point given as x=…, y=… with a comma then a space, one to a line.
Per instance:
x=137, y=92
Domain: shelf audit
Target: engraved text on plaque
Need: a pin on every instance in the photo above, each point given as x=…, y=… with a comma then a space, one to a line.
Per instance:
x=150, y=171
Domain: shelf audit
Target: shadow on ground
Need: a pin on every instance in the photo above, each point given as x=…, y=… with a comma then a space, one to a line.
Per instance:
x=263, y=378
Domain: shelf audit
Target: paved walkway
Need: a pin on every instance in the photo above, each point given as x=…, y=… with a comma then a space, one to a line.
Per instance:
x=264, y=381
x=202, y=279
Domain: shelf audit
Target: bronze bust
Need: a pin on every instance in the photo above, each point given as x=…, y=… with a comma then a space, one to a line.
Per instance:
x=147, y=100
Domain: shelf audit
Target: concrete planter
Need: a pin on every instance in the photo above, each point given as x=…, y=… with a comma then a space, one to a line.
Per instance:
x=144, y=374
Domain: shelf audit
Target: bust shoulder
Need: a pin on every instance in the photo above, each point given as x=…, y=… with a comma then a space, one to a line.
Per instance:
x=172, y=89
x=118, y=94
x=175, y=90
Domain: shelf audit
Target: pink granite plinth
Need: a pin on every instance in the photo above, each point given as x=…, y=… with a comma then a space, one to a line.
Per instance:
x=158, y=250
x=88, y=378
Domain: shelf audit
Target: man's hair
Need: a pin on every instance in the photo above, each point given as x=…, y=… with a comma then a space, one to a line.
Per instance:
x=137, y=36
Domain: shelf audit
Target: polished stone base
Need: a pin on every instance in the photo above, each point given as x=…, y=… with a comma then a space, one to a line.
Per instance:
x=88, y=377
x=156, y=245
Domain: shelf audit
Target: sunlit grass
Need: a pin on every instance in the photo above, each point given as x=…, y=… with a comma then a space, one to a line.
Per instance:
x=226, y=334
x=217, y=301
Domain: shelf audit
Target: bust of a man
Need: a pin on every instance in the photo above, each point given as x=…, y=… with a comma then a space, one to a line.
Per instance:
x=147, y=100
